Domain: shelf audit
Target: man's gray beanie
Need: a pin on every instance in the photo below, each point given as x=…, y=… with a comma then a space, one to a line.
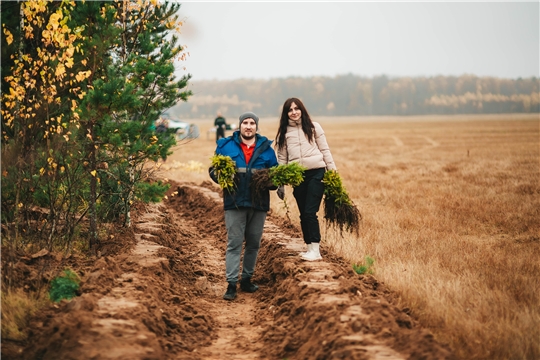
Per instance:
x=249, y=115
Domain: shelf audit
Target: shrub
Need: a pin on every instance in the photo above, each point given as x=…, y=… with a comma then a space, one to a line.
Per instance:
x=64, y=287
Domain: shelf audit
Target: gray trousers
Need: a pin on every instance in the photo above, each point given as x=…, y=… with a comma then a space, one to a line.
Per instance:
x=244, y=224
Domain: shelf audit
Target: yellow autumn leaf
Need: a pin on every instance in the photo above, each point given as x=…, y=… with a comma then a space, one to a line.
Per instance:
x=60, y=70
x=94, y=173
x=41, y=171
x=69, y=62
x=53, y=20
x=9, y=36
x=81, y=75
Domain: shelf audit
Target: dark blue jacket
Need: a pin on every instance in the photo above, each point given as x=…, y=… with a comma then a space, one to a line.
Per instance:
x=263, y=157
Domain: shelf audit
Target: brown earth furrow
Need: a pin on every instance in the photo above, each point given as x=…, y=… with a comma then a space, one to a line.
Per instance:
x=317, y=310
x=158, y=295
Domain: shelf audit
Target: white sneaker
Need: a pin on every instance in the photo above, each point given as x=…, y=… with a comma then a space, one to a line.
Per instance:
x=313, y=254
x=306, y=252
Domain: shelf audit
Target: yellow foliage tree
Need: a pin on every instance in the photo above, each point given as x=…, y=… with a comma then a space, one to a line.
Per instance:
x=39, y=110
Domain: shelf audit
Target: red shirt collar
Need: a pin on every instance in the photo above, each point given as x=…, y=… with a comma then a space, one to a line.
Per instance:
x=247, y=150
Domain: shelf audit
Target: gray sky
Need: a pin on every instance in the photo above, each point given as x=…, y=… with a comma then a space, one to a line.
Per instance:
x=232, y=40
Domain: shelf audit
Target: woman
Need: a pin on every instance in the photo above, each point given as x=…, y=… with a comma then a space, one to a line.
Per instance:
x=303, y=141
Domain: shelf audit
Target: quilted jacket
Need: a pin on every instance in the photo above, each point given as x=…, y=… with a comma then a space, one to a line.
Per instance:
x=263, y=157
x=311, y=155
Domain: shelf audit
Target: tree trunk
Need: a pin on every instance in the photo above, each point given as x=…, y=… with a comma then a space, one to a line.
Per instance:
x=93, y=235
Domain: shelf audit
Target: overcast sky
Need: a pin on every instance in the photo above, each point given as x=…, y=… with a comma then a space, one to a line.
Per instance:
x=232, y=40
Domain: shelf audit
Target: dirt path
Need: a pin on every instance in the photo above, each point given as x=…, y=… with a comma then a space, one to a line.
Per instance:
x=160, y=297
x=236, y=330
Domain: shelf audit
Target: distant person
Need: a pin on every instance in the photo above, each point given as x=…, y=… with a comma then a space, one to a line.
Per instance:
x=244, y=217
x=303, y=141
x=221, y=126
x=162, y=126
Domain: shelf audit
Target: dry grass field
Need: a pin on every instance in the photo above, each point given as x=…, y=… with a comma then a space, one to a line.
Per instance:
x=451, y=216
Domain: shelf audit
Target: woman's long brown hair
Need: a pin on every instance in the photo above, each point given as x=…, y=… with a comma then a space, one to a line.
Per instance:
x=307, y=124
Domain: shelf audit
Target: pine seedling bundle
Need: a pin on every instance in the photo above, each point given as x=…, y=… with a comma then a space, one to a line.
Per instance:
x=339, y=210
x=225, y=171
x=284, y=174
x=287, y=174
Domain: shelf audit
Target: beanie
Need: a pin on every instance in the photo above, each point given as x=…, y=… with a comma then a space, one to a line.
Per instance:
x=249, y=115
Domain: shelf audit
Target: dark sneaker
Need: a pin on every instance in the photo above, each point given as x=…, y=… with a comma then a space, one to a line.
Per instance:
x=247, y=286
x=231, y=292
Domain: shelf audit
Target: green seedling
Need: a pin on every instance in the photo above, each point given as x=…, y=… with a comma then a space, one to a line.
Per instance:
x=364, y=267
x=64, y=286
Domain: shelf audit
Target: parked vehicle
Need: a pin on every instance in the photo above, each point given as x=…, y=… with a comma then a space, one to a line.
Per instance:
x=183, y=130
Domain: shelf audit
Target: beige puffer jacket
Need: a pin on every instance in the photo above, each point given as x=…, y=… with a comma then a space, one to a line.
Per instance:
x=311, y=155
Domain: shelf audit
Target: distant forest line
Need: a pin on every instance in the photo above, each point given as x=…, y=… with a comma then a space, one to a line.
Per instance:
x=349, y=95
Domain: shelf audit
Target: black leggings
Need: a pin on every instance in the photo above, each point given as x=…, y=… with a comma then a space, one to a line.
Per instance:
x=308, y=197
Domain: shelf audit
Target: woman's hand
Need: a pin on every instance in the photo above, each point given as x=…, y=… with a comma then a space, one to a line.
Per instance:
x=281, y=192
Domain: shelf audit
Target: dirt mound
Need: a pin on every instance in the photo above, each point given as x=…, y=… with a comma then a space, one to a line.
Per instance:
x=156, y=294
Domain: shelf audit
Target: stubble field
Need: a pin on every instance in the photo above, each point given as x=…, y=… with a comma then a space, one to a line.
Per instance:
x=451, y=216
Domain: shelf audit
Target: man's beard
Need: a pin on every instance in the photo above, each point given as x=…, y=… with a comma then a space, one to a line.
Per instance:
x=245, y=137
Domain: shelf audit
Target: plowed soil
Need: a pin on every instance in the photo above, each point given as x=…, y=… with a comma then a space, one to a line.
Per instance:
x=155, y=292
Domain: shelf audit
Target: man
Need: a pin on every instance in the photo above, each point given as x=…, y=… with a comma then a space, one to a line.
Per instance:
x=220, y=125
x=244, y=218
x=162, y=126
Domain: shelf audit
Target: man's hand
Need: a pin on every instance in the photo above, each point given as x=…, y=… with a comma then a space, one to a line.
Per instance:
x=281, y=192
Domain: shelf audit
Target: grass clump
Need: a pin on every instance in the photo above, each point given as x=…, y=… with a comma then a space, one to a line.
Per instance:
x=225, y=171
x=339, y=209
x=64, y=286
x=17, y=309
x=365, y=267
